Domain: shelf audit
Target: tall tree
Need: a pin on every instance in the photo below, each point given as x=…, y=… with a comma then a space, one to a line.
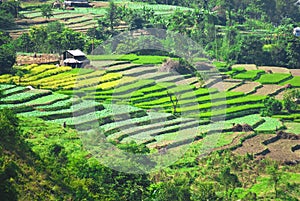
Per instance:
x=230, y=182
x=46, y=10
x=275, y=177
x=7, y=53
x=290, y=100
x=112, y=16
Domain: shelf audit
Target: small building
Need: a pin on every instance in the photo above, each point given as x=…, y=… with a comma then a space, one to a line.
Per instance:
x=296, y=32
x=75, y=59
x=77, y=3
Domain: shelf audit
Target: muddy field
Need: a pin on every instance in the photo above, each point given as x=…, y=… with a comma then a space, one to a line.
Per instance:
x=268, y=89
x=247, y=87
x=274, y=69
x=267, y=146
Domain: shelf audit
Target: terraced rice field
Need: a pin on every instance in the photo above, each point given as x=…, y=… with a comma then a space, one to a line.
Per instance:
x=270, y=125
x=274, y=78
x=81, y=19
x=249, y=75
x=295, y=82
x=292, y=127
x=245, y=66
x=127, y=106
x=280, y=95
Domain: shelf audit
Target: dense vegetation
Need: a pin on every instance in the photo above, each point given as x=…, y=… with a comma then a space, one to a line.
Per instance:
x=66, y=171
x=151, y=101
x=233, y=31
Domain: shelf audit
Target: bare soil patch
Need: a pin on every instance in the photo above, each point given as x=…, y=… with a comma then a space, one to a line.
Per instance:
x=39, y=59
x=280, y=95
x=226, y=85
x=245, y=66
x=295, y=72
x=267, y=89
x=98, y=4
x=281, y=150
x=247, y=87
x=283, y=147
x=253, y=145
x=274, y=69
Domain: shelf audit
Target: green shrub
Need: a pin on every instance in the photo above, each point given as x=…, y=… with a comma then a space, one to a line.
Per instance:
x=272, y=106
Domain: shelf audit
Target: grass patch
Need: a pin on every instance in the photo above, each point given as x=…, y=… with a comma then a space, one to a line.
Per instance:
x=105, y=57
x=275, y=78
x=249, y=75
x=270, y=124
x=295, y=81
x=292, y=127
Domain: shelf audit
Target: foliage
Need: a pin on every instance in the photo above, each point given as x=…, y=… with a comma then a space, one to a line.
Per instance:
x=6, y=20
x=53, y=38
x=176, y=189
x=272, y=106
x=275, y=177
x=290, y=100
x=46, y=10
x=8, y=126
x=203, y=191
x=229, y=181
x=7, y=53
x=10, y=7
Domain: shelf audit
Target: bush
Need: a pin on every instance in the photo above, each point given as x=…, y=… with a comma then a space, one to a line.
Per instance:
x=7, y=54
x=8, y=126
x=290, y=99
x=272, y=106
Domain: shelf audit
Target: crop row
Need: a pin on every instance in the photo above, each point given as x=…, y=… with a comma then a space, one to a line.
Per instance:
x=24, y=97
x=47, y=73
x=249, y=75
x=6, y=86
x=35, y=70
x=16, y=89
x=270, y=125
x=62, y=104
x=275, y=78
x=79, y=109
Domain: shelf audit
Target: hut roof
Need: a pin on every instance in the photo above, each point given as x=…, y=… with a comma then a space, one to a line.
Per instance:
x=76, y=53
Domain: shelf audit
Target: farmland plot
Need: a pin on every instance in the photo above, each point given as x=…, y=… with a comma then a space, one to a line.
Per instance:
x=292, y=127
x=295, y=72
x=269, y=89
x=270, y=124
x=249, y=75
x=226, y=84
x=253, y=145
x=274, y=69
x=295, y=82
x=274, y=78
x=245, y=66
x=247, y=87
